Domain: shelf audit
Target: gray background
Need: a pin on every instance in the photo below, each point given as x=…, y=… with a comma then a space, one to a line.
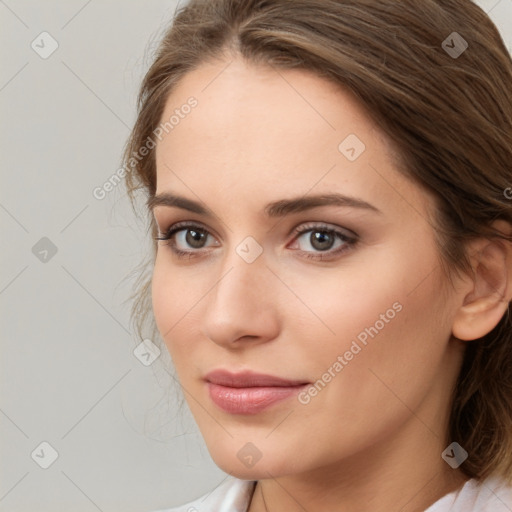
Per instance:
x=68, y=373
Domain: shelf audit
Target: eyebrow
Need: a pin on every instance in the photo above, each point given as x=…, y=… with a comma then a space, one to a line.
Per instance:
x=278, y=208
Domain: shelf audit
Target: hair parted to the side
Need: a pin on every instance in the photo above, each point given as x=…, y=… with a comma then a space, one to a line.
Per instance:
x=449, y=119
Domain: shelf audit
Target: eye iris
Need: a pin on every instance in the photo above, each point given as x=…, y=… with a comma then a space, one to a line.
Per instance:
x=321, y=240
x=195, y=237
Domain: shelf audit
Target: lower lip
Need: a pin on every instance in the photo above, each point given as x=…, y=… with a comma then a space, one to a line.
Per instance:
x=250, y=400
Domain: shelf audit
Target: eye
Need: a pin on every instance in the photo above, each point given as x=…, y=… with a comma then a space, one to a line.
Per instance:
x=186, y=240
x=185, y=235
x=323, y=239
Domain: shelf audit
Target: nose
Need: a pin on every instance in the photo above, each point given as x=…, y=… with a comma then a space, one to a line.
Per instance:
x=242, y=306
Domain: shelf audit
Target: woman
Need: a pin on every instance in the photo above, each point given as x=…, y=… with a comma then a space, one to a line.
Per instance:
x=327, y=187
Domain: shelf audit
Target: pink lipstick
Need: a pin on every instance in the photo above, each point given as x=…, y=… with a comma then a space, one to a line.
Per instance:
x=248, y=392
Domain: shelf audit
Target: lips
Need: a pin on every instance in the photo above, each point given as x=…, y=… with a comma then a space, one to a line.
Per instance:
x=249, y=380
x=249, y=392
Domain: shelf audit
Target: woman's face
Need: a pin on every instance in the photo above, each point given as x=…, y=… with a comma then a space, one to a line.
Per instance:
x=343, y=296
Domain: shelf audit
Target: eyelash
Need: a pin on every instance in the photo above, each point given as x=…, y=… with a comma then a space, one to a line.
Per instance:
x=349, y=242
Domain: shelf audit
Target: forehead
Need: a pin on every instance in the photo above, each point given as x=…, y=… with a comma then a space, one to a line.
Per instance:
x=286, y=129
x=237, y=99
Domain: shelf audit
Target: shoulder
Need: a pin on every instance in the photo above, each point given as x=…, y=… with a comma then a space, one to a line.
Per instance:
x=490, y=495
x=231, y=495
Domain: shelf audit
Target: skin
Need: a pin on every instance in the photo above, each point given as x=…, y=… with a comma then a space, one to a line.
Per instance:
x=373, y=437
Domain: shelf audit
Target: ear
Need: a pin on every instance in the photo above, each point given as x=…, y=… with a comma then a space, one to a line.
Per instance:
x=484, y=306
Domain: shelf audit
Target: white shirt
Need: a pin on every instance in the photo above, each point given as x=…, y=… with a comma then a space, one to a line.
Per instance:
x=234, y=495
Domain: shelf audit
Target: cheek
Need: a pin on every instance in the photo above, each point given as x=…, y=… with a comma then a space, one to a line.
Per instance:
x=384, y=312
x=162, y=298
x=169, y=299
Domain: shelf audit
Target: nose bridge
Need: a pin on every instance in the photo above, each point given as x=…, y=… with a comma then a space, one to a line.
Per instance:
x=244, y=276
x=241, y=302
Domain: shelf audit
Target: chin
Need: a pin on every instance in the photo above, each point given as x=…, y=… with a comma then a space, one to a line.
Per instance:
x=243, y=463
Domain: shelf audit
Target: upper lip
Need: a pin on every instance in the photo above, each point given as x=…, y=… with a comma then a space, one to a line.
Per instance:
x=248, y=379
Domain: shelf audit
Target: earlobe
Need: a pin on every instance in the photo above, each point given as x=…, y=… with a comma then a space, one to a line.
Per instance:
x=484, y=306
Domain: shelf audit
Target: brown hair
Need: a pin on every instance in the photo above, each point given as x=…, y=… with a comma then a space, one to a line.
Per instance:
x=450, y=118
